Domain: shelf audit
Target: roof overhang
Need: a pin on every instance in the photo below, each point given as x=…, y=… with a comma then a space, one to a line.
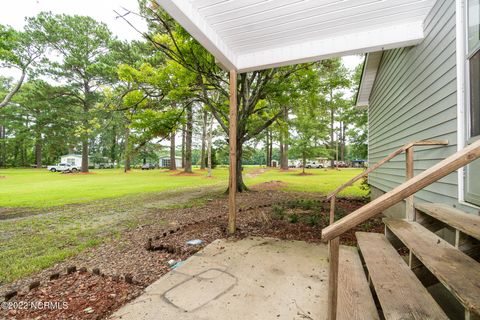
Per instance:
x=369, y=74
x=247, y=35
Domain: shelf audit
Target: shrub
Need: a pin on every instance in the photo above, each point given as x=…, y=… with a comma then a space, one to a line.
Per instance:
x=293, y=218
x=278, y=212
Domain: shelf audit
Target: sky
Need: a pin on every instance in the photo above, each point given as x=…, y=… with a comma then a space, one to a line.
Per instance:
x=13, y=13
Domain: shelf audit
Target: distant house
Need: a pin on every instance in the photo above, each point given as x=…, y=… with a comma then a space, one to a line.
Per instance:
x=73, y=159
x=165, y=162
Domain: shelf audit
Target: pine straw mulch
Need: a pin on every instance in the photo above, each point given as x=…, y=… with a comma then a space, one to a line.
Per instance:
x=118, y=271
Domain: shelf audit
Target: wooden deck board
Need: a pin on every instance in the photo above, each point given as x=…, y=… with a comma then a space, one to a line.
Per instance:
x=355, y=300
x=464, y=222
x=456, y=271
x=401, y=294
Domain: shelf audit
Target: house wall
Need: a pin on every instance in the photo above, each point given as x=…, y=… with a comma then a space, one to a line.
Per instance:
x=414, y=98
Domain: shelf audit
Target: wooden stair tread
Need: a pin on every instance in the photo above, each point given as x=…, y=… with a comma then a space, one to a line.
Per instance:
x=401, y=294
x=464, y=222
x=355, y=300
x=456, y=271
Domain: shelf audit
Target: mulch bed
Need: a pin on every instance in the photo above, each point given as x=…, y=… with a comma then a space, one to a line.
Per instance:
x=127, y=265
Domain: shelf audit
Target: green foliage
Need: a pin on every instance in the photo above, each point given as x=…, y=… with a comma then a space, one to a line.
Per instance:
x=293, y=218
x=278, y=212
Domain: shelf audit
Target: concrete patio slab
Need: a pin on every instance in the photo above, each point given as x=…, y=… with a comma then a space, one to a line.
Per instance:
x=254, y=278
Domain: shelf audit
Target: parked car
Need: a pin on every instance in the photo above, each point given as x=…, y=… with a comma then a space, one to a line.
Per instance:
x=341, y=164
x=63, y=167
x=148, y=166
x=104, y=165
x=313, y=164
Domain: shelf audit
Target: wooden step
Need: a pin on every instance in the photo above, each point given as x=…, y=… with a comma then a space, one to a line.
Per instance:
x=464, y=222
x=401, y=294
x=355, y=300
x=459, y=273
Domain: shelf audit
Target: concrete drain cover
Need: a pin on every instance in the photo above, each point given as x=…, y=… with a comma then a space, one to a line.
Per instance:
x=201, y=289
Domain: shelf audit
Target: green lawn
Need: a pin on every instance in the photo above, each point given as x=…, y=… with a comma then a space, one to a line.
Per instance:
x=316, y=180
x=68, y=213
x=40, y=188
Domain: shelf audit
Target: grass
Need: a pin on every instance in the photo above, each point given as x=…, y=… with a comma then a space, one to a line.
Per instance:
x=40, y=188
x=67, y=214
x=317, y=180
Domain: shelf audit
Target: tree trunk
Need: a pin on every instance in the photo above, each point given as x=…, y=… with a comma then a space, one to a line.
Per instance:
x=240, y=184
x=342, y=144
x=38, y=151
x=173, y=162
x=85, y=155
x=113, y=147
x=127, y=150
x=280, y=140
x=183, y=146
x=3, y=141
x=86, y=108
x=270, y=148
x=209, y=149
x=304, y=159
x=284, y=159
x=14, y=90
x=285, y=152
x=267, y=150
x=188, y=140
x=204, y=138
x=332, y=136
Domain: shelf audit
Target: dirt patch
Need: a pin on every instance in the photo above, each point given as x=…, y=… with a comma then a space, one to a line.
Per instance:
x=256, y=172
x=3, y=177
x=188, y=174
x=20, y=212
x=270, y=185
x=304, y=174
x=75, y=296
x=78, y=172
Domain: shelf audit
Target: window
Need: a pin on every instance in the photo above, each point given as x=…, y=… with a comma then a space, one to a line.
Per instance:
x=474, y=66
x=475, y=95
x=472, y=181
x=71, y=161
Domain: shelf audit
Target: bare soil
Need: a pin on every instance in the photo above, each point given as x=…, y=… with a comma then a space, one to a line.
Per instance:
x=118, y=271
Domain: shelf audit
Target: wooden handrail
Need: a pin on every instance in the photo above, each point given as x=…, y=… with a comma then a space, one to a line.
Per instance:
x=385, y=160
x=408, y=188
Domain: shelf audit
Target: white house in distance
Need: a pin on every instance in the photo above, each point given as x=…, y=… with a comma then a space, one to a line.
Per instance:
x=165, y=162
x=72, y=159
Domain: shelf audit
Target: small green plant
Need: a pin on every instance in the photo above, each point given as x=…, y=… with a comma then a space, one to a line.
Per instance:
x=365, y=187
x=278, y=212
x=293, y=218
x=314, y=220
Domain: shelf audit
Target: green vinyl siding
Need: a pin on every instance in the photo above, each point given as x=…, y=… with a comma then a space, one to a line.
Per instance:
x=414, y=98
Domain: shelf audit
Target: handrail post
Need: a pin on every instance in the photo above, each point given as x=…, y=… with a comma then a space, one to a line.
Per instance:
x=333, y=257
x=409, y=163
x=332, y=209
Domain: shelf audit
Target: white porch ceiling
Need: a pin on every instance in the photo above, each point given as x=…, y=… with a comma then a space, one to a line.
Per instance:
x=250, y=35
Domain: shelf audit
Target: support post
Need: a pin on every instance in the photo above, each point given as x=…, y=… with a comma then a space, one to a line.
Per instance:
x=333, y=256
x=332, y=209
x=410, y=209
x=232, y=186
